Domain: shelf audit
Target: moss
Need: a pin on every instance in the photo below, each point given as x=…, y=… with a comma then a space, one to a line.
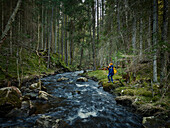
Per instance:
x=143, y=92
x=12, y=98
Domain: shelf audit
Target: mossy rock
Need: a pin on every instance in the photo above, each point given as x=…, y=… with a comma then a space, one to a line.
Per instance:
x=9, y=99
x=143, y=92
x=108, y=86
x=125, y=100
x=149, y=109
x=130, y=92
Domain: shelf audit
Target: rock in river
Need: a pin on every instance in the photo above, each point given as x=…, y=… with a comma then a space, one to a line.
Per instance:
x=82, y=79
x=62, y=79
x=50, y=122
x=9, y=99
x=44, y=95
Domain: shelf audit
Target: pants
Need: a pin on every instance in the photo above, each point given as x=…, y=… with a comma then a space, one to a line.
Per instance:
x=110, y=77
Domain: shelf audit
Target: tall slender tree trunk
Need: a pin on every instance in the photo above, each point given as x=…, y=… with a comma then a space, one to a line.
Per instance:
x=62, y=36
x=58, y=34
x=2, y=16
x=42, y=27
x=39, y=25
x=10, y=31
x=55, y=40
x=149, y=35
x=66, y=50
x=46, y=29
x=93, y=45
x=141, y=39
x=50, y=40
x=71, y=42
x=134, y=44
x=10, y=21
x=155, y=29
x=163, y=52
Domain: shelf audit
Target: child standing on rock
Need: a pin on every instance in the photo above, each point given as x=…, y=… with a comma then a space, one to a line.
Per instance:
x=111, y=73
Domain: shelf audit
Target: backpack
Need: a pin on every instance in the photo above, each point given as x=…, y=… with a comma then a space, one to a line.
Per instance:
x=114, y=70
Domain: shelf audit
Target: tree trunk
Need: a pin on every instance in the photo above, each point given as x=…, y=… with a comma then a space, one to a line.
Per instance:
x=10, y=21
x=46, y=29
x=134, y=37
x=141, y=39
x=58, y=34
x=55, y=40
x=42, y=28
x=62, y=32
x=66, y=50
x=93, y=45
x=163, y=52
x=71, y=42
x=149, y=35
x=50, y=40
x=155, y=29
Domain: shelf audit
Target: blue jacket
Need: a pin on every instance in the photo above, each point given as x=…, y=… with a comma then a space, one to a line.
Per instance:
x=111, y=72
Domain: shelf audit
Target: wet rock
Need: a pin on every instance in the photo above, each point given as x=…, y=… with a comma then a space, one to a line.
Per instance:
x=14, y=113
x=50, y=122
x=148, y=109
x=44, y=95
x=9, y=99
x=108, y=86
x=35, y=86
x=146, y=118
x=82, y=79
x=125, y=100
x=62, y=79
x=32, y=95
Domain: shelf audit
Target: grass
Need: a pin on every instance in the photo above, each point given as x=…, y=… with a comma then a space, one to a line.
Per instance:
x=142, y=91
x=28, y=64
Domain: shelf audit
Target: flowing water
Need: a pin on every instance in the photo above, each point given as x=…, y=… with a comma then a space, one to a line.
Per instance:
x=81, y=105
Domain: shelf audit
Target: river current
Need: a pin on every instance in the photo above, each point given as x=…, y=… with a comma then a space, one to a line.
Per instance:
x=81, y=105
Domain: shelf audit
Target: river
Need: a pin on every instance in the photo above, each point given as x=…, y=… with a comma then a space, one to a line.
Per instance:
x=81, y=105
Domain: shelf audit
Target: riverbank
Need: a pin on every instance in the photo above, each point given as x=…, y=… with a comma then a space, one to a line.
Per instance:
x=140, y=97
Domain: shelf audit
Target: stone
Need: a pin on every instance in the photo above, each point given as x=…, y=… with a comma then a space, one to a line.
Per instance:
x=35, y=86
x=146, y=118
x=32, y=95
x=49, y=122
x=9, y=99
x=125, y=100
x=82, y=79
x=44, y=95
x=62, y=79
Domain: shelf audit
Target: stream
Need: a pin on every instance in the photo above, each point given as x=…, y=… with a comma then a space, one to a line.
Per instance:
x=81, y=105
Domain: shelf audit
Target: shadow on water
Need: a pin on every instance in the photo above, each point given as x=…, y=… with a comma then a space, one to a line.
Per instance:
x=81, y=105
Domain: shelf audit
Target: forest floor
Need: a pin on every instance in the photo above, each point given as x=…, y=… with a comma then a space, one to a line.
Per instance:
x=30, y=66
x=140, y=97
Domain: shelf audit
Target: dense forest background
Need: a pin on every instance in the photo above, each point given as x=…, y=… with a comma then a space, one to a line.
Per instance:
x=40, y=35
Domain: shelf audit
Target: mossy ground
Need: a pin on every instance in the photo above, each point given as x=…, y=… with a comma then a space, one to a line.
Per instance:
x=143, y=91
x=29, y=64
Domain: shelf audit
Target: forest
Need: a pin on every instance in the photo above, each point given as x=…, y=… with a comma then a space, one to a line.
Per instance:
x=44, y=38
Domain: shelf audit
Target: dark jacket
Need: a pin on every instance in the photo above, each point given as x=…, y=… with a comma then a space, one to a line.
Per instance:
x=111, y=72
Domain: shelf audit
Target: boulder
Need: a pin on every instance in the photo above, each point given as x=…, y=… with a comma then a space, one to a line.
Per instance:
x=50, y=122
x=31, y=95
x=82, y=79
x=44, y=95
x=9, y=99
x=62, y=79
x=35, y=86
x=125, y=100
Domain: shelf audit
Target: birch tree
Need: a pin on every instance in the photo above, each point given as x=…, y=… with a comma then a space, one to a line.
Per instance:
x=155, y=28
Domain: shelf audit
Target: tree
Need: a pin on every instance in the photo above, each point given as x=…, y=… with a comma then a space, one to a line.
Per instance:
x=155, y=29
x=10, y=21
x=163, y=52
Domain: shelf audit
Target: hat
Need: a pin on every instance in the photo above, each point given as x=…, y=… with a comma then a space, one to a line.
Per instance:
x=111, y=63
